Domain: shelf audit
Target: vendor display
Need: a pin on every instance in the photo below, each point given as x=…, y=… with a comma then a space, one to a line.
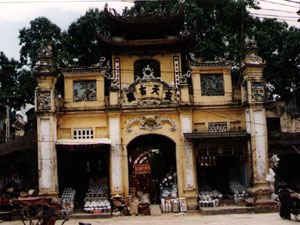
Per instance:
x=96, y=200
x=210, y=198
x=169, y=194
x=173, y=205
x=67, y=200
x=239, y=191
x=168, y=186
x=100, y=206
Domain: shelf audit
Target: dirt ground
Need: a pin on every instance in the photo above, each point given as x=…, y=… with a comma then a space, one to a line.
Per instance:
x=182, y=219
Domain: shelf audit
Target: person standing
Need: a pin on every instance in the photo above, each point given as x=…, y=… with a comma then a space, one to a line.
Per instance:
x=285, y=203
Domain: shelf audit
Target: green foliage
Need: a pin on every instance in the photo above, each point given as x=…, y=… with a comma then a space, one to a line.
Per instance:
x=80, y=41
x=279, y=45
x=17, y=85
x=218, y=24
x=41, y=31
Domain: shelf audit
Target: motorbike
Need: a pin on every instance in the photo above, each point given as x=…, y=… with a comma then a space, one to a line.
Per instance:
x=295, y=206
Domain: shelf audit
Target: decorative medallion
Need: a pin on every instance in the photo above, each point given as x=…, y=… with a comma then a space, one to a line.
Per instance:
x=151, y=123
x=148, y=71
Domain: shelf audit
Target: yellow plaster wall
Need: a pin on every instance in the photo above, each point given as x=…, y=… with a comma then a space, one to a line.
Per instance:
x=233, y=117
x=212, y=100
x=67, y=124
x=127, y=66
x=46, y=82
x=68, y=98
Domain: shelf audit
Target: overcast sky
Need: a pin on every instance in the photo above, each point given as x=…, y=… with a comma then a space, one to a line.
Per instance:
x=16, y=14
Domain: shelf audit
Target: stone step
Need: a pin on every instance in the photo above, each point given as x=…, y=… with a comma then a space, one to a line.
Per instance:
x=238, y=209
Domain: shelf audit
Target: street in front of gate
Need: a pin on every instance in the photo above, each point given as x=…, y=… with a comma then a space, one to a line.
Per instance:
x=183, y=219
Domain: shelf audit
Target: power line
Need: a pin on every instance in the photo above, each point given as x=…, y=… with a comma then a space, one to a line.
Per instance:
x=278, y=10
x=292, y=1
x=262, y=17
x=276, y=3
x=64, y=1
x=275, y=16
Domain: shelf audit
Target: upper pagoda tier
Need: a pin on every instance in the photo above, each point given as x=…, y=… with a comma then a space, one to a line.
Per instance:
x=176, y=44
x=144, y=32
x=143, y=25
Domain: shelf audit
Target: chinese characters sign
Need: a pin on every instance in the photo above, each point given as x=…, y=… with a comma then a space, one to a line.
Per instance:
x=84, y=90
x=212, y=84
x=142, y=168
x=150, y=92
x=151, y=89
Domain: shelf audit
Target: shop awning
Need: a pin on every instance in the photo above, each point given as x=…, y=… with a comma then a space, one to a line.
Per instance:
x=209, y=136
x=23, y=143
x=95, y=141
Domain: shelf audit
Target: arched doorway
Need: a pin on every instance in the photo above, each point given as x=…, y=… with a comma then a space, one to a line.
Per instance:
x=152, y=166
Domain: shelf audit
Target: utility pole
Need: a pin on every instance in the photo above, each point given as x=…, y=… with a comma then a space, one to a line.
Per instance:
x=242, y=31
x=7, y=132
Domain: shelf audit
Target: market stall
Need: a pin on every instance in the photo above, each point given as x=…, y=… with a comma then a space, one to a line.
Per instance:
x=84, y=178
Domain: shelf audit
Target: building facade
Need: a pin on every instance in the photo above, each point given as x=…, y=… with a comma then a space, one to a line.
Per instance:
x=146, y=117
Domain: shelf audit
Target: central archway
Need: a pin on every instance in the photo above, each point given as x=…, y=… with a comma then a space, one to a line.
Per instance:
x=152, y=165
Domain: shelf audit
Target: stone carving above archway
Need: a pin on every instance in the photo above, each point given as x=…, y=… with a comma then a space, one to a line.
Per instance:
x=151, y=123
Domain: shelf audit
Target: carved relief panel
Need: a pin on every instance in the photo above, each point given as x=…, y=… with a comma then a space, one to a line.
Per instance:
x=212, y=85
x=84, y=90
x=257, y=91
x=43, y=100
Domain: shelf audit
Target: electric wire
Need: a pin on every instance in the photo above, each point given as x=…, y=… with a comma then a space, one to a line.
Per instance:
x=277, y=10
x=277, y=3
x=292, y=1
x=275, y=16
x=64, y=1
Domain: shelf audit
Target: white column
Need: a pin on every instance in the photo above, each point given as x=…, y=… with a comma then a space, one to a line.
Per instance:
x=260, y=144
x=116, y=172
x=45, y=154
x=186, y=127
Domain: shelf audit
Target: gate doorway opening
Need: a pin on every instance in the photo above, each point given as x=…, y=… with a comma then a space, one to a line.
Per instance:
x=222, y=172
x=82, y=168
x=152, y=166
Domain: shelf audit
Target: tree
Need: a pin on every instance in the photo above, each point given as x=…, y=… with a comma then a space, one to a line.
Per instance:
x=41, y=31
x=80, y=40
x=17, y=85
x=218, y=24
x=279, y=45
x=8, y=78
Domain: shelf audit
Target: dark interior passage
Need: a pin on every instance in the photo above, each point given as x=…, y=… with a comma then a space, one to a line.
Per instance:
x=151, y=158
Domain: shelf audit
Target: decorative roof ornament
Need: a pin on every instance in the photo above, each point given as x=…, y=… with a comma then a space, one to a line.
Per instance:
x=44, y=66
x=250, y=43
x=193, y=61
x=251, y=51
x=45, y=51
